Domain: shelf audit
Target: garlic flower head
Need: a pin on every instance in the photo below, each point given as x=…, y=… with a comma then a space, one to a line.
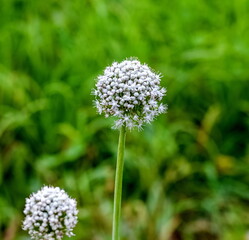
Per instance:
x=131, y=92
x=50, y=213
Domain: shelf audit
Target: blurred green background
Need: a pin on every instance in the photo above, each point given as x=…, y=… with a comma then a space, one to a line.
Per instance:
x=186, y=175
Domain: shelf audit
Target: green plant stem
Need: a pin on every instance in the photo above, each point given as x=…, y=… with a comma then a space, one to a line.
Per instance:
x=118, y=184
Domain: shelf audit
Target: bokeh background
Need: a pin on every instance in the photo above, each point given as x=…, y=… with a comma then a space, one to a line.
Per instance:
x=187, y=174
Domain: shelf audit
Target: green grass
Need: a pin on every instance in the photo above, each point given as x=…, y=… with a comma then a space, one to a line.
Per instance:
x=186, y=175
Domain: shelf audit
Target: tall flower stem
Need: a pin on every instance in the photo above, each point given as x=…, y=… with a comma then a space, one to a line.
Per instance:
x=118, y=184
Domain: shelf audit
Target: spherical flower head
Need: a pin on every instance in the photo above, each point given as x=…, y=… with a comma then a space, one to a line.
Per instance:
x=50, y=213
x=131, y=92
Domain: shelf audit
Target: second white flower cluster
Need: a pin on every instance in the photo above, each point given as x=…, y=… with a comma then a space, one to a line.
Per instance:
x=50, y=213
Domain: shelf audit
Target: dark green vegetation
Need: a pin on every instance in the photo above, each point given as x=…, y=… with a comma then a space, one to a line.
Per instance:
x=186, y=175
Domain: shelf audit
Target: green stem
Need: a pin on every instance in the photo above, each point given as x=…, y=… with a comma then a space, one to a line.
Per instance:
x=118, y=184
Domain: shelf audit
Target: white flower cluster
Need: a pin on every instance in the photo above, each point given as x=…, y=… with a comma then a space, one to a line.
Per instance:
x=131, y=92
x=50, y=213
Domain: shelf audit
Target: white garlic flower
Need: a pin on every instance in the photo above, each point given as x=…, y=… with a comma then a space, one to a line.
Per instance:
x=131, y=92
x=50, y=213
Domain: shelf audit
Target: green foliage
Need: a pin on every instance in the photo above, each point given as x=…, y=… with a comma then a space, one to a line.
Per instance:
x=186, y=175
